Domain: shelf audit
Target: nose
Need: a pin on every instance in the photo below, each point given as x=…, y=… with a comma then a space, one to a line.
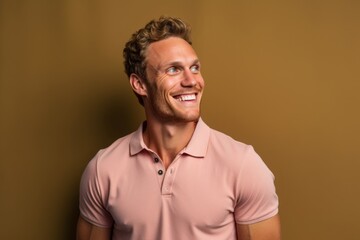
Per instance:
x=189, y=79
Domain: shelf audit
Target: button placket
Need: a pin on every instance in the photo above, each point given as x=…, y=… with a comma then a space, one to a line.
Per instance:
x=159, y=169
x=167, y=188
x=165, y=177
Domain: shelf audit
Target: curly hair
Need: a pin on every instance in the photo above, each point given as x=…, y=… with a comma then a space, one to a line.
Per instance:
x=135, y=49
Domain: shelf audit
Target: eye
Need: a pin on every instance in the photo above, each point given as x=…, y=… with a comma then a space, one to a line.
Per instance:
x=195, y=68
x=172, y=70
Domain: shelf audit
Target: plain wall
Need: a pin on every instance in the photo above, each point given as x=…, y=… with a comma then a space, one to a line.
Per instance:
x=282, y=76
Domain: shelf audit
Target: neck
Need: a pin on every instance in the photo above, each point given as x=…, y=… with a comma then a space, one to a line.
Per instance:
x=168, y=139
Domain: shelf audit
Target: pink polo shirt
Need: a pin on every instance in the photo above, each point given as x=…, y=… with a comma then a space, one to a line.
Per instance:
x=212, y=184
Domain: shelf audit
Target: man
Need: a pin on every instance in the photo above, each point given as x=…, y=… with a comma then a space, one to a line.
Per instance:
x=174, y=178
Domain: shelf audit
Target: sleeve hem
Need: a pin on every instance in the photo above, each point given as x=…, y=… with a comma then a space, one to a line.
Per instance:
x=95, y=223
x=259, y=219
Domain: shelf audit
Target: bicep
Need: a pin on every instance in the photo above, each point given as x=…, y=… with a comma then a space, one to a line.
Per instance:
x=265, y=230
x=88, y=231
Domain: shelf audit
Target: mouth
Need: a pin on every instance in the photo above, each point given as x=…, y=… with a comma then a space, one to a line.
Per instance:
x=185, y=97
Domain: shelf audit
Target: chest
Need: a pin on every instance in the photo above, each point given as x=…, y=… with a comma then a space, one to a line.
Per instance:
x=186, y=195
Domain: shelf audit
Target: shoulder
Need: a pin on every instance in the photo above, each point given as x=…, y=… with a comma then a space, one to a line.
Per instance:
x=108, y=158
x=118, y=147
x=240, y=158
x=228, y=146
x=251, y=180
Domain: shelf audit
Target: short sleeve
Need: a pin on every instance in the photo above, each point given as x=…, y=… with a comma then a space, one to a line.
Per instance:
x=257, y=199
x=91, y=200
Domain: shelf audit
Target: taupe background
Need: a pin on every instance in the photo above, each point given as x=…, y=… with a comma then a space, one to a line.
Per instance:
x=281, y=75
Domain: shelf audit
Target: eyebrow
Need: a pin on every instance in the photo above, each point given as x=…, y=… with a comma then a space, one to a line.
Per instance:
x=178, y=63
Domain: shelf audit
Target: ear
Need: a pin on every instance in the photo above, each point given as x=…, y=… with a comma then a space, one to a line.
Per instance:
x=138, y=85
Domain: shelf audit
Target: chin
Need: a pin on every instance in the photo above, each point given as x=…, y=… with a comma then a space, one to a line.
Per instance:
x=177, y=116
x=190, y=117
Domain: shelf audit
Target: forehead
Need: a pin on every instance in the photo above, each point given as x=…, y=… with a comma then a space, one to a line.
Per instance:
x=173, y=49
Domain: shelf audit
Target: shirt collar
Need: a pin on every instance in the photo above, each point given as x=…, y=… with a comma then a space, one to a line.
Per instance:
x=197, y=146
x=137, y=143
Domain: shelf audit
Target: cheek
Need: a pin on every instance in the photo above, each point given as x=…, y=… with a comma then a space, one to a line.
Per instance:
x=167, y=85
x=201, y=81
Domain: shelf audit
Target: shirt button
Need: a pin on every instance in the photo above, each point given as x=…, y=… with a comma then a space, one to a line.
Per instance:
x=160, y=172
x=156, y=160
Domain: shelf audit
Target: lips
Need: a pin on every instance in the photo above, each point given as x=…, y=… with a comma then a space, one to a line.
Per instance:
x=185, y=97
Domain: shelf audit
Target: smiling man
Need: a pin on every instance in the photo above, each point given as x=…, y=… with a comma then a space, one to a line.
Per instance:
x=174, y=178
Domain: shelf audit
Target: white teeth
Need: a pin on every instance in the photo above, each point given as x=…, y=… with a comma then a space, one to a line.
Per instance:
x=187, y=97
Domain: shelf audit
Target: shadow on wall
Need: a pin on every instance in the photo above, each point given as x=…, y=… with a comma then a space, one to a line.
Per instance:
x=106, y=114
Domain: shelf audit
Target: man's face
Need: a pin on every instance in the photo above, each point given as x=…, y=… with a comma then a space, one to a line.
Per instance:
x=174, y=82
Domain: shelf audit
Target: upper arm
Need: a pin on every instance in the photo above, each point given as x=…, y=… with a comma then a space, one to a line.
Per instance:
x=88, y=231
x=94, y=190
x=256, y=197
x=265, y=230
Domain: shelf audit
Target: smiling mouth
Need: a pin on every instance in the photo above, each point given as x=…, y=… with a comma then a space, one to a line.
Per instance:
x=185, y=97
